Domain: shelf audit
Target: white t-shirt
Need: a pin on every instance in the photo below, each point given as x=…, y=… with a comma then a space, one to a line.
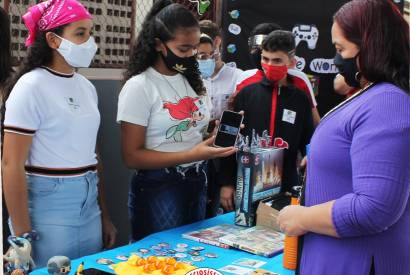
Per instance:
x=60, y=112
x=220, y=87
x=293, y=72
x=174, y=115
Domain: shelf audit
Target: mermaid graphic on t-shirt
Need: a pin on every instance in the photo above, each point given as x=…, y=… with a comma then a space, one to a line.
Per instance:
x=187, y=112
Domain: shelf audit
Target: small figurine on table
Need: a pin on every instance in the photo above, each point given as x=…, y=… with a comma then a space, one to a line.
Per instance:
x=18, y=257
x=80, y=269
x=59, y=265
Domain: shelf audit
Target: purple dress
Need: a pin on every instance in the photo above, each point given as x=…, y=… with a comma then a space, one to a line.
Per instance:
x=360, y=157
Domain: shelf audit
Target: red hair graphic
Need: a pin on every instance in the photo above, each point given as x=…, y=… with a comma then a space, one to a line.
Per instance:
x=183, y=109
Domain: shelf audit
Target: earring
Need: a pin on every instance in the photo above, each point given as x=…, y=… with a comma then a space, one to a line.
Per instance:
x=357, y=76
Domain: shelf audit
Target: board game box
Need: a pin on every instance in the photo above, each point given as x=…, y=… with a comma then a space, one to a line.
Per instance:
x=259, y=176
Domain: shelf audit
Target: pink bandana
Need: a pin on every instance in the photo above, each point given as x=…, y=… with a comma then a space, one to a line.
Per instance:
x=52, y=14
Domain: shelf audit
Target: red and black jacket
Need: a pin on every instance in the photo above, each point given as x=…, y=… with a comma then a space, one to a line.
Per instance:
x=257, y=101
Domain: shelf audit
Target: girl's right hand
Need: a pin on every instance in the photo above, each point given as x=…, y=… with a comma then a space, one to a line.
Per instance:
x=206, y=150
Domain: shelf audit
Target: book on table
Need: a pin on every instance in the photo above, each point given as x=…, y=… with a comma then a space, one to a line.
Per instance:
x=212, y=235
x=259, y=240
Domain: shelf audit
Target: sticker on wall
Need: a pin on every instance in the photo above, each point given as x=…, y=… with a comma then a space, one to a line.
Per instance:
x=323, y=66
x=202, y=5
x=234, y=29
x=307, y=33
x=231, y=48
x=234, y=14
x=300, y=63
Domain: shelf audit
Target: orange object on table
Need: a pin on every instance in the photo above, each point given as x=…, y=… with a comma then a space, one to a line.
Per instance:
x=152, y=259
x=170, y=261
x=168, y=269
x=290, y=251
x=148, y=268
x=141, y=262
x=159, y=264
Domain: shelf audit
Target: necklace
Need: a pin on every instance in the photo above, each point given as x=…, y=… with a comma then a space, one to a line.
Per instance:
x=56, y=72
x=358, y=93
x=175, y=90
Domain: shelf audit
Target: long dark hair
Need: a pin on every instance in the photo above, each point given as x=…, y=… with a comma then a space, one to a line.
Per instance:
x=164, y=18
x=38, y=54
x=382, y=34
x=5, y=53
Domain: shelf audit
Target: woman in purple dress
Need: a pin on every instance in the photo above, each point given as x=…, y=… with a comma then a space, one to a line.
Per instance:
x=356, y=218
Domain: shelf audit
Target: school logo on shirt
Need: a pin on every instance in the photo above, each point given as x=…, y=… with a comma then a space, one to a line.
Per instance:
x=188, y=112
x=72, y=104
x=289, y=116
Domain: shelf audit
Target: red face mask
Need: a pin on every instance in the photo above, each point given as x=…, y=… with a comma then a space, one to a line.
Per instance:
x=274, y=73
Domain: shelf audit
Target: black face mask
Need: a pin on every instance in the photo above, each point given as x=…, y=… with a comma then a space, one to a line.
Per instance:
x=182, y=65
x=348, y=68
x=256, y=59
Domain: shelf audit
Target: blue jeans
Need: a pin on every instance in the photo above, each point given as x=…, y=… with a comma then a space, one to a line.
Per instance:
x=165, y=198
x=214, y=188
x=65, y=213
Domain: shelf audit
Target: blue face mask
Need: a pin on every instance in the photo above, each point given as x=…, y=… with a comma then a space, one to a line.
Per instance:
x=206, y=67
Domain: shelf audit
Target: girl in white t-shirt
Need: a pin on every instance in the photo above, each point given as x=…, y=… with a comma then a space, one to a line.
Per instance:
x=164, y=112
x=220, y=82
x=50, y=128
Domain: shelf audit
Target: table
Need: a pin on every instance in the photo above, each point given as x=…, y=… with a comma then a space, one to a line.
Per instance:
x=173, y=237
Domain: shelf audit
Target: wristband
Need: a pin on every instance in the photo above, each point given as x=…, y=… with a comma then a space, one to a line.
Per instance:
x=31, y=236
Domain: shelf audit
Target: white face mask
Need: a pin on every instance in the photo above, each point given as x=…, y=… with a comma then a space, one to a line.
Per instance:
x=78, y=56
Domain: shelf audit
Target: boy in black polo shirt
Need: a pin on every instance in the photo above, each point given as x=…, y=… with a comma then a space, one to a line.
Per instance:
x=274, y=104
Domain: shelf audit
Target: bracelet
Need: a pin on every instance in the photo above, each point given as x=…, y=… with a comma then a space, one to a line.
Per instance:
x=31, y=236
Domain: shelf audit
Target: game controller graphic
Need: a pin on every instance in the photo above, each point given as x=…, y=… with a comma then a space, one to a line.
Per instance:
x=308, y=33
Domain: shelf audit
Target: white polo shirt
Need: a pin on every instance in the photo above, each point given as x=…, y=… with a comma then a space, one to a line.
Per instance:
x=221, y=86
x=60, y=112
x=175, y=117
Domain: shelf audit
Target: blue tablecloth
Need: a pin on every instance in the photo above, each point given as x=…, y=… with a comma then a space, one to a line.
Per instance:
x=174, y=237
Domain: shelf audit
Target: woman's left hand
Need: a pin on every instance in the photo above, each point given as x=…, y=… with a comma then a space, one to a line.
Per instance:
x=109, y=232
x=290, y=220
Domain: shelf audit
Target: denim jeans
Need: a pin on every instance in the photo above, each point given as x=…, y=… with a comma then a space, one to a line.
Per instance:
x=166, y=198
x=65, y=213
x=214, y=188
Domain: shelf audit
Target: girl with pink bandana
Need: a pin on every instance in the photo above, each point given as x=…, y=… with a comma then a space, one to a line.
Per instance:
x=51, y=120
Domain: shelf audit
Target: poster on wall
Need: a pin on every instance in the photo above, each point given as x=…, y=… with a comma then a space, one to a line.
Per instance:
x=310, y=21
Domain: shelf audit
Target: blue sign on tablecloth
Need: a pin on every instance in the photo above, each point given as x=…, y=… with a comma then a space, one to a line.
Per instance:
x=174, y=237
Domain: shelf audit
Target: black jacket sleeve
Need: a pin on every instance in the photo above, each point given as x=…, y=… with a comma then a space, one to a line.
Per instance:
x=307, y=130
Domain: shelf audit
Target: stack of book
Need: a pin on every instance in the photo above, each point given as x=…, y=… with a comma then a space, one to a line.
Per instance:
x=259, y=240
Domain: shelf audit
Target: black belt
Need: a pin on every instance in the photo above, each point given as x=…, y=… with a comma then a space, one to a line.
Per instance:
x=61, y=172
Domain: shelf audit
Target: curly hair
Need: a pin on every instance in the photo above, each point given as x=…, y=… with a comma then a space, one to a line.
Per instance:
x=38, y=54
x=164, y=18
x=5, y=53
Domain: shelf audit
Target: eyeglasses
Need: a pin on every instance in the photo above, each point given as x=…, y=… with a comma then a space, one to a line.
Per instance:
x=205, y=56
